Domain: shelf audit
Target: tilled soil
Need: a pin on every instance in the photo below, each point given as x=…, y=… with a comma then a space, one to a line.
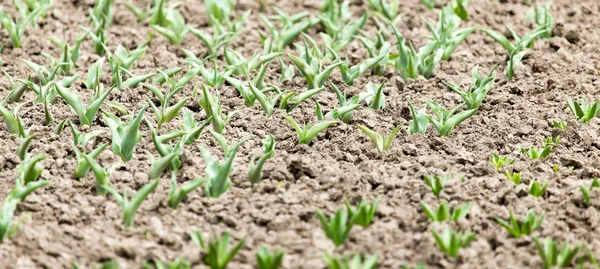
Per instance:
x=67, y=222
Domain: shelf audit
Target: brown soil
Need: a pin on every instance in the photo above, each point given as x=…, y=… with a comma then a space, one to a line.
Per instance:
x=67, y=222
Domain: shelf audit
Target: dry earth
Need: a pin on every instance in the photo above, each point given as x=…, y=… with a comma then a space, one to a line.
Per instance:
x=66, y=221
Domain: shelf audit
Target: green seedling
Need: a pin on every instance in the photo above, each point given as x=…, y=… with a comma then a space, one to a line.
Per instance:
x=356, y=262
x=560, y=125
x=517, y=49
x=362, y=214
x=103, y=9
x=269, y=260
x=98, y=32
x=291, y=27
x=121, y=60
x=429, y=4
x=515, y=177
x=69, y=55
x=16, y=89
x=444, y=120
x=13, y=121
x=166, y=112
x=450, y=242
x=551, y=141
x=377, y=47
x=584, y=110
x=104, y=265
x=350, y=73
x=179, y=263
x=217, y=253
x=290, y=100
x=220, y=10
x=191, y=127
x=287, y=71
x=211, y=104
x=419, y=122
x=499, y=161
x=173, y=28
x=246, y=66
x=477, y=91
x=16, y=27
x=540, y=15
x=101, y=174
x=23, y=145
x=313, y=71
x=130, y=207
x=347, y=105
x=436, y=182
x=411, y=64
x=87, y=115
x=535, y=153
x=267, y=103
x=94, y=74
x=442, y=213
x=388, y=10
x=553, y=256
x=176, y=195
x=337, y=227
x=446, y=34
x=339, y=29
x=537, y=189
x=213, y=43
x=212, y=77
x=255, y=172
x=305, y=133
x=83, y=167
x=517, y=229
x=30, y=170
x=163, y=149
x=382, y=143
x=17, y=195
x=124, y=137
x=81, y=139
x=376, y=98
x=458, y=6
x=217, y=174
x=585, y=192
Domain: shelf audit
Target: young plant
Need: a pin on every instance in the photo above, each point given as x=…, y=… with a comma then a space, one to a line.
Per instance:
x=446, y=35
x=17, y=195
x=363, y=213
x=30, y=170
x=585, y=192
x=376, y=98
x=179, y=263
x=307, y=134
x=101, y=174
x=347, y=105
x=350, y=73
x=217, y=174
x=290, y=100
x=23, y=145
x=176, y=195
x=535, y=153
x=560, y=125
x=130, y=207
x=268, y=104
x=69, y=55
x=313, y=70
x=174, y=27
x=166, y=112
x=246, y=66
x=584, y=110
x=121, y=60
x=499, y=161
x=269, y=260
x=213, y=110
x=356, y=262
x=337, y=228
x=540, y=15
x=13, y=121
x=163, y=149
x=124, y=137
x=551, y=141
x=444, y=120
x=87, y=115
x=436, y=182
x=516, y=229
x=517, y=49
x=291, y=27
x=537, y=189
x=478, y=90
x=339, y=29
x=98, y=32
x=192, y=128
x=552, y=256
x=388, y=10
x=515, y=177
x=83, y=167
x=411, y=64
x=450, y=242
x=16, y=28
x=443, y=212
x=383, y=144
x=458, y=6
x=419, y=122
x=255, y=172
x=217, y=253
